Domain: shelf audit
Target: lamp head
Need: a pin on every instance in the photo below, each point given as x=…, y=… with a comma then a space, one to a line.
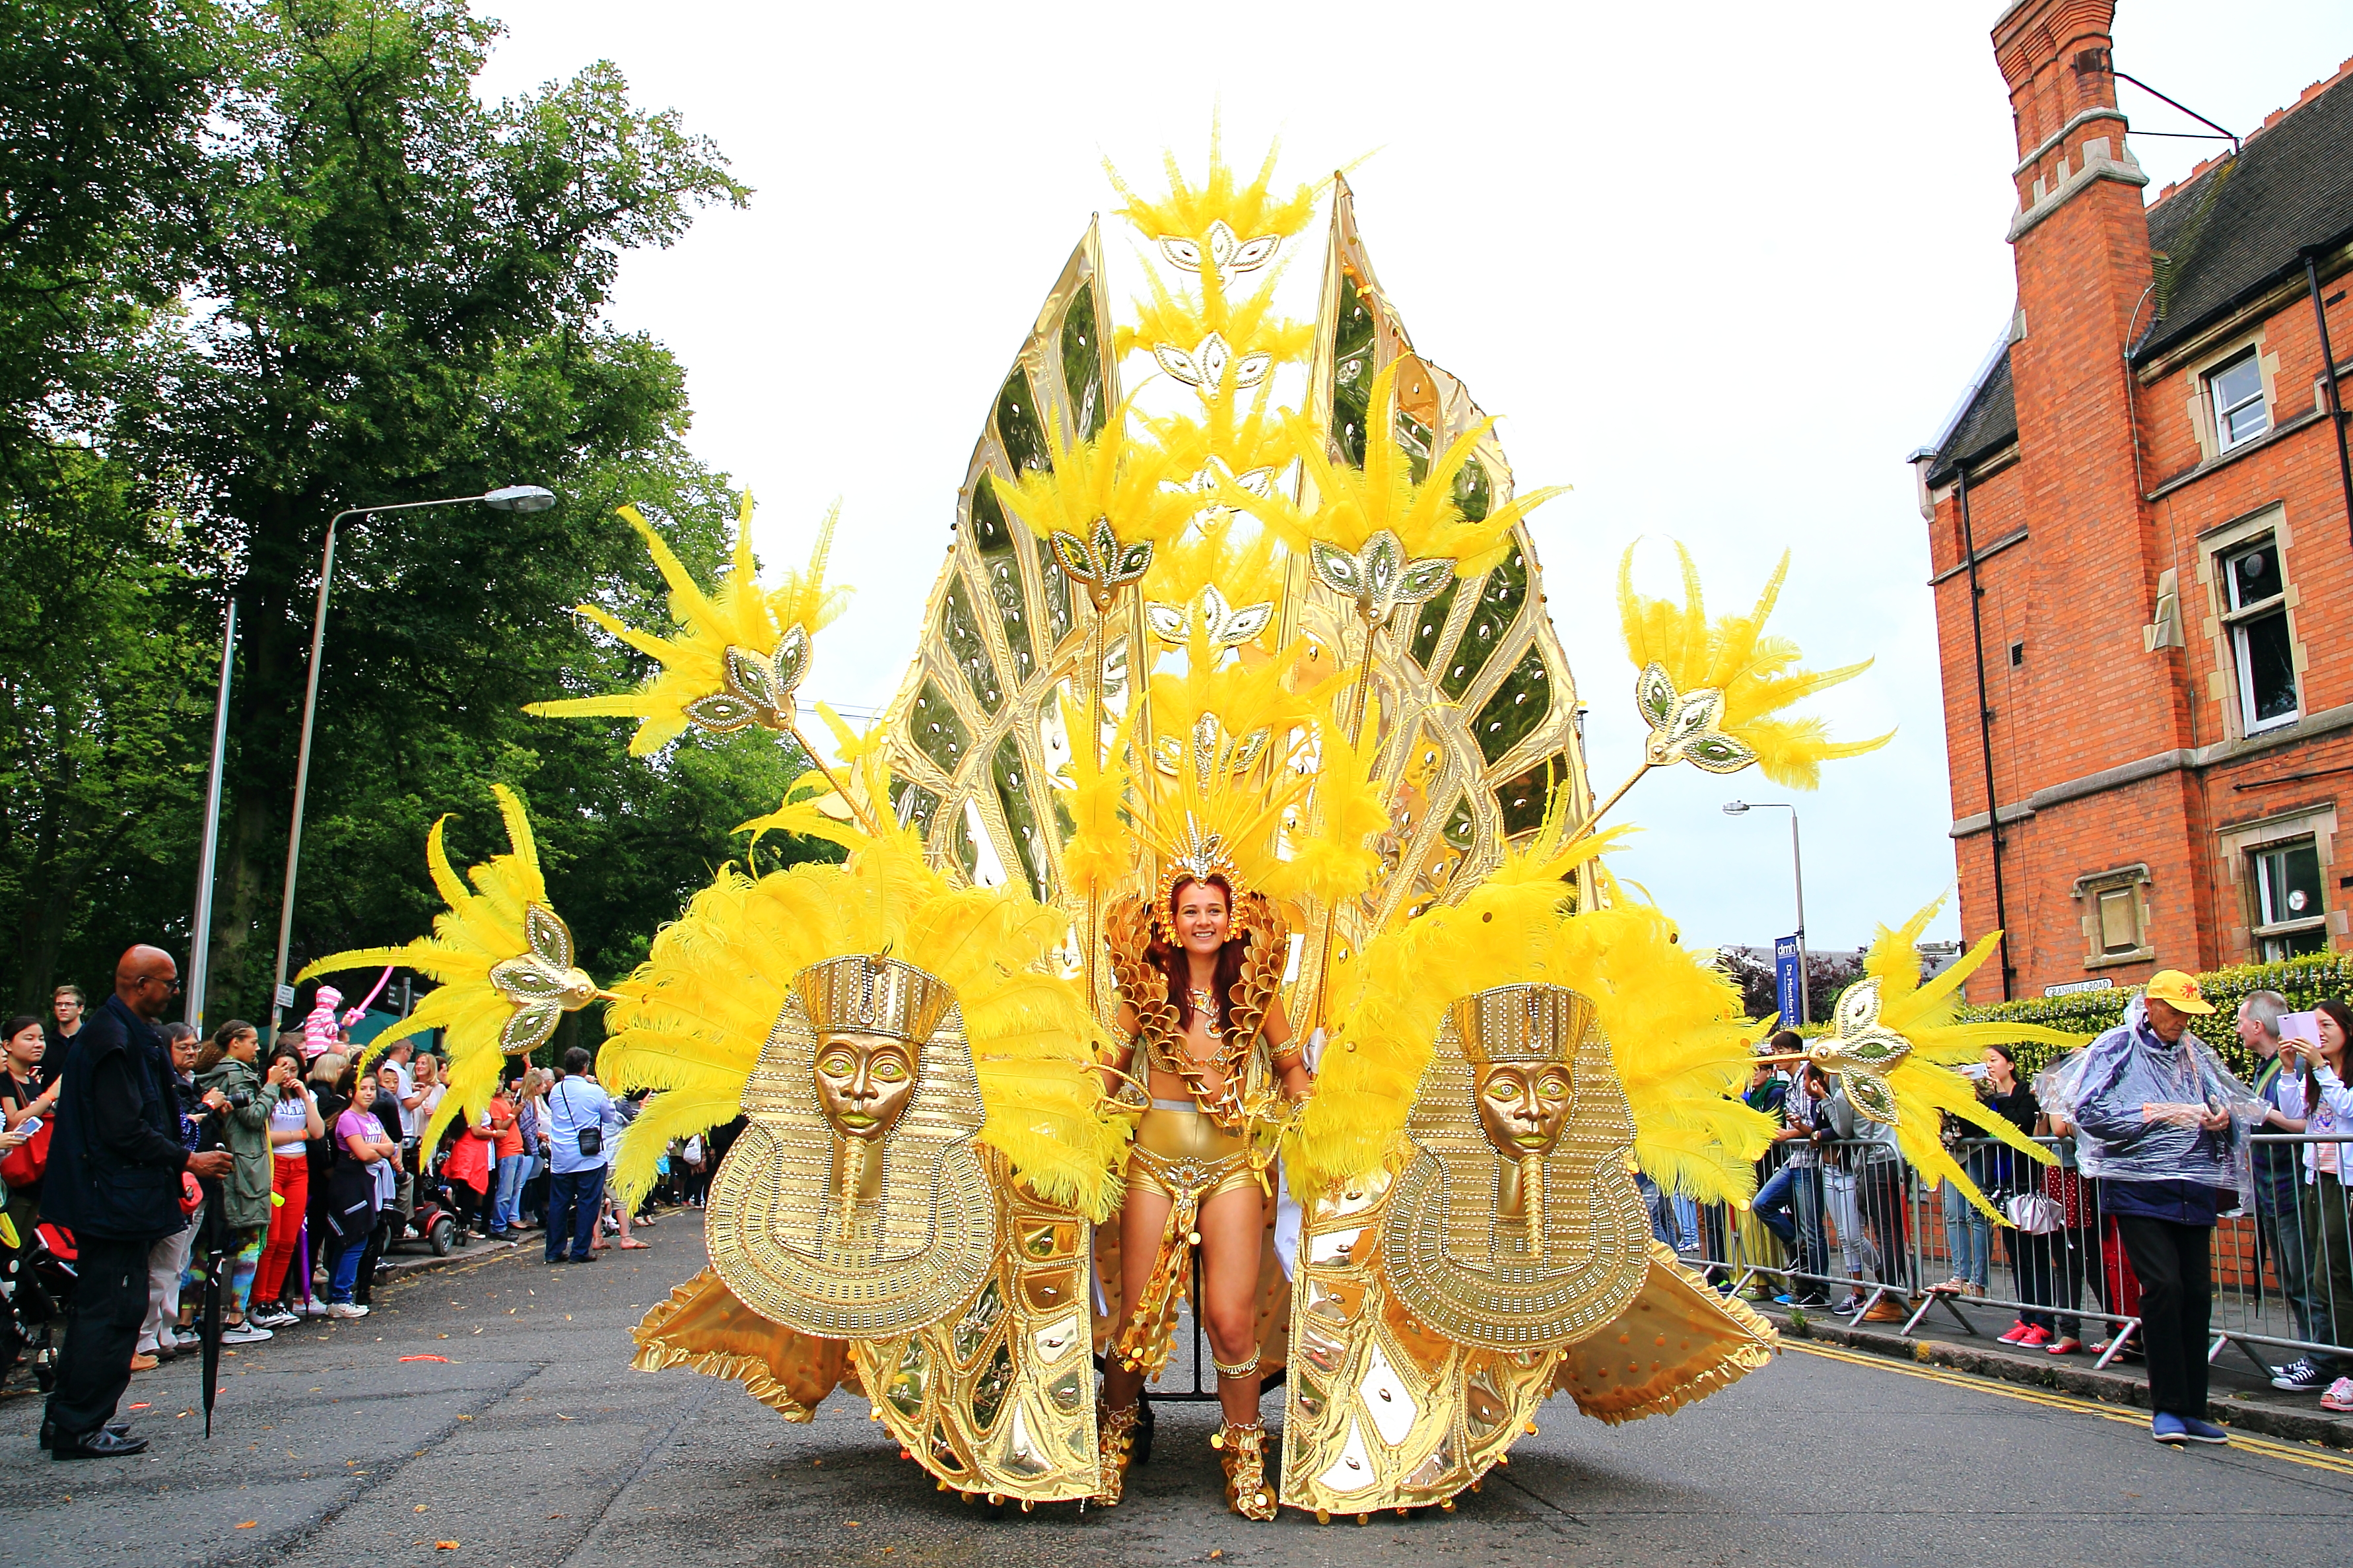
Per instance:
x=520, y=498
x=1734, y=808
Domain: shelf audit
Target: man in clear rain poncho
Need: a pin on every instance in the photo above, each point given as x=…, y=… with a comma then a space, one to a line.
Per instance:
x=2164, y=1126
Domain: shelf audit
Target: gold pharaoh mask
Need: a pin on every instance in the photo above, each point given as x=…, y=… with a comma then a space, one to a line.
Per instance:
x=854, y=1205
x=1516, y=1225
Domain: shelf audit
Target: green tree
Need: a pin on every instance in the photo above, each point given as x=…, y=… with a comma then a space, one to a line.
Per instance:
x=101, y=111
x=404, y=285
x=394, y=292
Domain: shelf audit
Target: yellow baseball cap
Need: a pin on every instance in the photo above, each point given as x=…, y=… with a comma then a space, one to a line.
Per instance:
x=2178, y=991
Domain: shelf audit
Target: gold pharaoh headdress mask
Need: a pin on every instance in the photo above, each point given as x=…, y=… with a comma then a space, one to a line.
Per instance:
x=865, y=994
x=1521, y=1024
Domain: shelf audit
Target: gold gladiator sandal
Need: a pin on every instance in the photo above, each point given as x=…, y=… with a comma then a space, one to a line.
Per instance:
x=1114, y=1447
x=1243, y=1450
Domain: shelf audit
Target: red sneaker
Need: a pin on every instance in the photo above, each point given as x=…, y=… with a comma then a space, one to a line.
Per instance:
x=2018, y=1332
x=2036, y=1338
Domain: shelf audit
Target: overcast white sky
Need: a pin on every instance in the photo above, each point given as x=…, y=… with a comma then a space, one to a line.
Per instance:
x=1720, y=267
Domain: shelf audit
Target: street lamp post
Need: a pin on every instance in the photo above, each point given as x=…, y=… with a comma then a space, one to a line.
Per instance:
x=1797, y=869
x=509, y=497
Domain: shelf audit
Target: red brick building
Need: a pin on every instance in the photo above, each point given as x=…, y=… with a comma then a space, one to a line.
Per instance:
x=2142, y=532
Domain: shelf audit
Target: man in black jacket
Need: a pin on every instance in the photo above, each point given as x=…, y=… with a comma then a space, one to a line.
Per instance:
x=114, y=1181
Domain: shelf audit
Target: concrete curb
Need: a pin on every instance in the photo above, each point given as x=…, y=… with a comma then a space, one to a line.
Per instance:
x=2245, y=1412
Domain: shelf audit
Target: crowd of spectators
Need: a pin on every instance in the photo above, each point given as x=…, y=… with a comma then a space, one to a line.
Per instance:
x=2150, y=1139
x=294, y=1167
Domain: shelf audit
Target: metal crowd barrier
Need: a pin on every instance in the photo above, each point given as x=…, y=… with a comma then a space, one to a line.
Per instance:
x=1865, y=1229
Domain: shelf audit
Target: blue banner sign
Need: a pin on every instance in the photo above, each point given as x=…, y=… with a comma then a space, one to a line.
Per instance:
x=1788, y=980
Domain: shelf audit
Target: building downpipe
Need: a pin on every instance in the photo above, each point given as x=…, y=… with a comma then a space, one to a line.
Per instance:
x=1985, y=715
x=2329, y=380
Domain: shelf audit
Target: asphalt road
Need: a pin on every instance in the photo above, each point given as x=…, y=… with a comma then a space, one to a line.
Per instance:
x=534, y=1443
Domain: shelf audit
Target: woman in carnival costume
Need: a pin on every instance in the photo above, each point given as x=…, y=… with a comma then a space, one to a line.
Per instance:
x=1234, y=803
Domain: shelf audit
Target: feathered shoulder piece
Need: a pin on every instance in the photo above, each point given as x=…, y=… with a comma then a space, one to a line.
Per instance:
x=505, y=960
x=690, y=1022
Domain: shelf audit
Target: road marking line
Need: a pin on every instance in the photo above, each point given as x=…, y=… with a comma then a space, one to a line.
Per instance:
x=2272, y=1447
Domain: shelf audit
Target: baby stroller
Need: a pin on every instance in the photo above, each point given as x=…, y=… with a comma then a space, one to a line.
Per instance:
x=36, y=1282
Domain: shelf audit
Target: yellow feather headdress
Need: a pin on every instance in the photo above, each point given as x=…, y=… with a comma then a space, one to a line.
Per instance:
x=690, y=1022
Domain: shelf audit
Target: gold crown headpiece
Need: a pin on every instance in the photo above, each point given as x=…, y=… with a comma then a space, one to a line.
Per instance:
x=1195, y=854
x=1522, y=1024
x=866, y=993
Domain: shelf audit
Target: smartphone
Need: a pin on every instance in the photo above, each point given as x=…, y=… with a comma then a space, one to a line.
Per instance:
x=30, y=1125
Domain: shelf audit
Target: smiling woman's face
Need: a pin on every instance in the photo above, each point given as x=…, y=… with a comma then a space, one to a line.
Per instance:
x=1199, y=913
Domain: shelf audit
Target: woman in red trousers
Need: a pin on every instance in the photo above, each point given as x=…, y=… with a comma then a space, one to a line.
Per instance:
x=293, y=1123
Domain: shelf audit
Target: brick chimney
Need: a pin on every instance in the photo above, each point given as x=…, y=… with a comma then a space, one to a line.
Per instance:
x=2080, y=244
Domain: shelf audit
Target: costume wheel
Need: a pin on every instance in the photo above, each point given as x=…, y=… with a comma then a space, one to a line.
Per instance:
x=442, y=1235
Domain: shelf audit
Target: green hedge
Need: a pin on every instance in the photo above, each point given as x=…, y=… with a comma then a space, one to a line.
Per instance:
x=2303, y=981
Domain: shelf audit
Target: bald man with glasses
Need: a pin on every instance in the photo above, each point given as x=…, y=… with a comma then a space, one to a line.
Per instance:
x=113, y=1180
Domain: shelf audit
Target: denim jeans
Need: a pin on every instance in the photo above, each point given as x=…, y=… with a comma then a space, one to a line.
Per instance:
x=1968, y=1239
x=573, y=1202
x=1790, y=1206
x=346, y=1272
x=507, y=1211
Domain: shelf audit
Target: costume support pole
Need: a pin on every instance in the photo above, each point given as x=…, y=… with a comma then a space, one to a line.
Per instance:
x=200, y=936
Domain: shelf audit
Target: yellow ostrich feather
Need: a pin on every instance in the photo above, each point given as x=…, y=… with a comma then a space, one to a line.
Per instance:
x=1351, y=506
x=1101, y=504
x=1248, y=444
x=1923, y=1083
x=1189, y=211
x=1101, y=851
x=1755, y=676
x=1679, y=1042
x=742, y=653
x=1334, y=858
x=690, y=1022
x=504, y=926
x=1184, y=321
x=1241, y=561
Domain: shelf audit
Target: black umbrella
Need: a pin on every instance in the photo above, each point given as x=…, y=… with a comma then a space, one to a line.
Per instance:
x=213, y=1238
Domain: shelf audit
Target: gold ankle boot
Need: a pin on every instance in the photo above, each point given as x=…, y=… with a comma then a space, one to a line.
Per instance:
x=1243, y=1450
x=1114, y=1446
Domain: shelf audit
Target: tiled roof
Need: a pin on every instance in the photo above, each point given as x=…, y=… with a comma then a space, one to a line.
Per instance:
x=2230, y=232
x=1989, y=424
x=2236, y=229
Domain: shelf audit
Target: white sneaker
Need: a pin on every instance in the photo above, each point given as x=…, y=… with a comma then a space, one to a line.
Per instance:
x=2339, y=1396
x=347, y=1309
x=245, y=1333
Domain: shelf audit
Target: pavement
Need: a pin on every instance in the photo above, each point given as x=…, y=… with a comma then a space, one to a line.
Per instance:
x=486, y=1414
x=1966, y=1337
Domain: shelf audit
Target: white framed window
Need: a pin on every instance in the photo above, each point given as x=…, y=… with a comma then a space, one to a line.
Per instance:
x=2291, y=911
x=2236, y=391
x=2255, y=604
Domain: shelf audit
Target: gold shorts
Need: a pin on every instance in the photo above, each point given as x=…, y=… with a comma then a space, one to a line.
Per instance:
x=1183, y=1155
